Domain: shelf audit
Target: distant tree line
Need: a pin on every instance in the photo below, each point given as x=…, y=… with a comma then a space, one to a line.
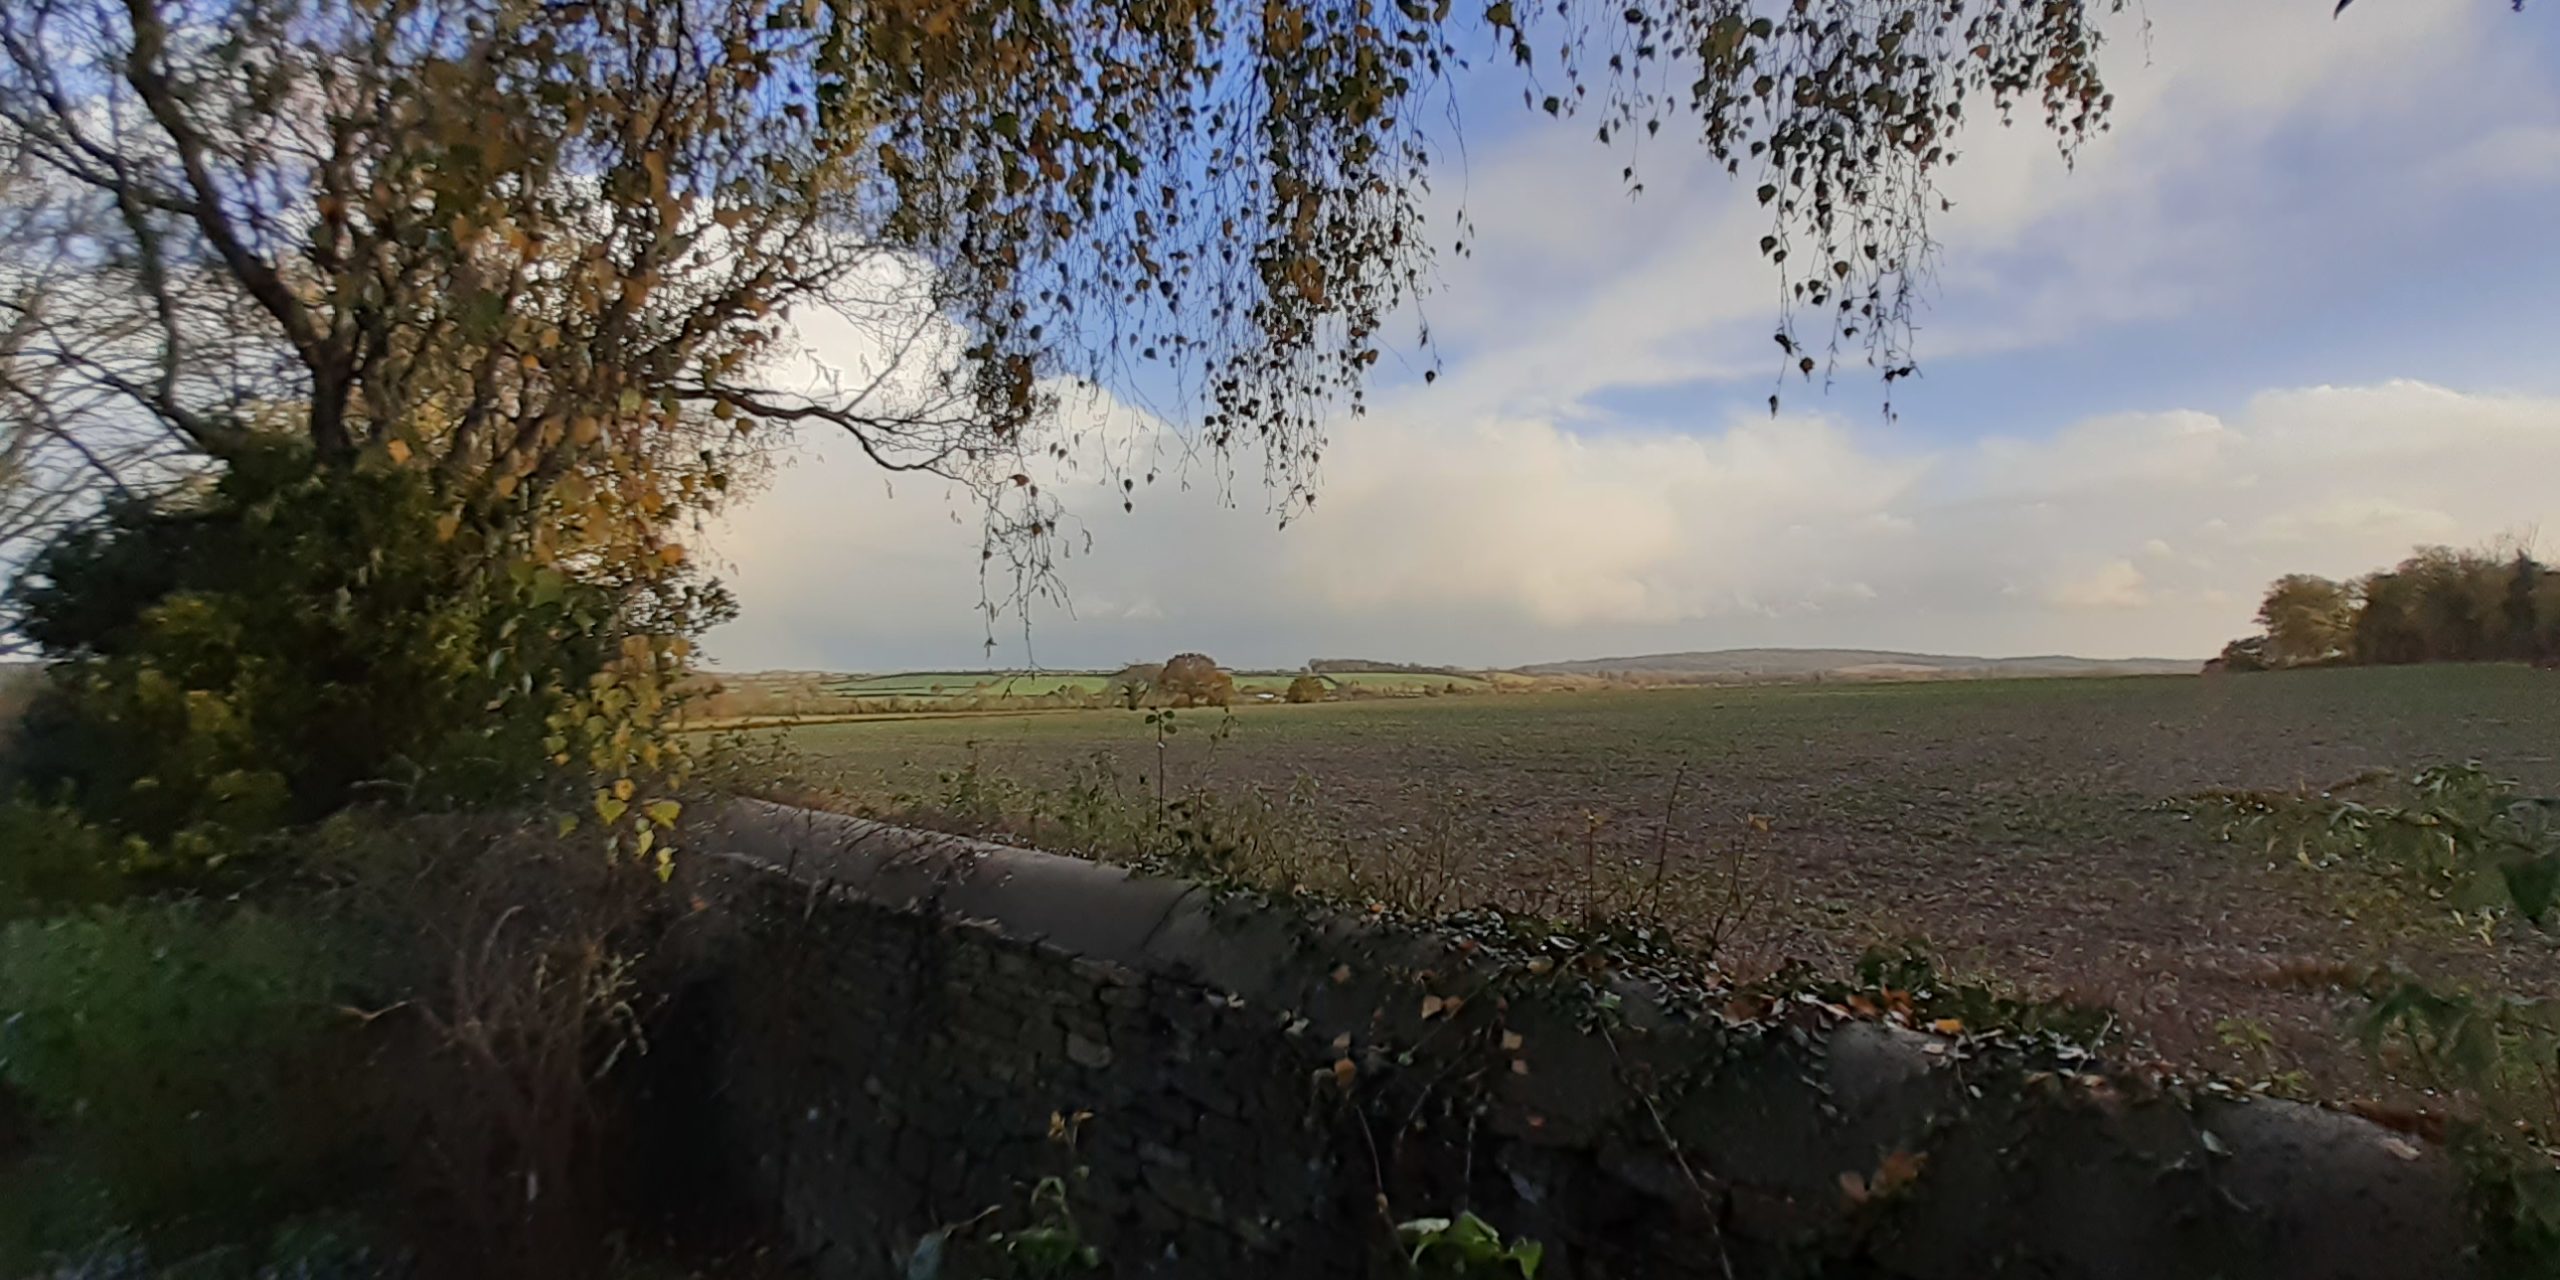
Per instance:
x=2439, y=605
x=1340, y=666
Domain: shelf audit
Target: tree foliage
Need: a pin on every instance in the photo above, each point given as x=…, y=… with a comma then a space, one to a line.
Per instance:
x=2307, y=618
x=1194, y=680
x=2439, y=605
x=506, y=240
x=548, y=260
x=189, y=709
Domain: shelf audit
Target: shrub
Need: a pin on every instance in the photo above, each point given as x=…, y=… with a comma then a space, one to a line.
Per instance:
x=179, y=1064
x=507, y=964
x=50, y=859
x=292, y=639
x=1306, y=688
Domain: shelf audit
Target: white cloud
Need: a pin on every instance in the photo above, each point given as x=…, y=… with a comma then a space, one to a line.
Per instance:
x=2113, y=585
x=1514, y=538
x=1506, y=515
x=2196, y=195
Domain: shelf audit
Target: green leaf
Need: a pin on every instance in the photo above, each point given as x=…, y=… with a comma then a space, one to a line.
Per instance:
x=2533, y=883
x=1475, y=1230
x=1529, y=1253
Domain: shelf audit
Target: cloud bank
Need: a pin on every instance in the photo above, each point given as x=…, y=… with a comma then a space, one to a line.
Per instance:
x=1517, y=539
x=2112, y=450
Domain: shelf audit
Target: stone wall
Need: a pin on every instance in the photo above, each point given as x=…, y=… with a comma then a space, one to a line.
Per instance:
x=902, y=1029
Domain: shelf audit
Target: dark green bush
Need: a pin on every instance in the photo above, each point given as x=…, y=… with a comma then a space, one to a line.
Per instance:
x=293, y=639
x=51, y=859
x=183, y=1068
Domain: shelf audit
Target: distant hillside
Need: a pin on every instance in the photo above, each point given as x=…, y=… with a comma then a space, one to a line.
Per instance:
x=1870, y=664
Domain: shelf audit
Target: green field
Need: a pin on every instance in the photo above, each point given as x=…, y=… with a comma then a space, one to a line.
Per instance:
x=1034, y=684
x=954, y=684
x=2018, y=825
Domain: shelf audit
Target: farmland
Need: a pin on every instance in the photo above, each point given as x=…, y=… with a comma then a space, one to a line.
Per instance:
x=2026, y=828
x=795, y=695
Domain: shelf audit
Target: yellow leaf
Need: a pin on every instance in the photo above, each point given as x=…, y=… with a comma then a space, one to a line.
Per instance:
x=447, y=525
x=663, y=812
x=1431, y=1006
x=609, y=808
x=1948, y=1026
x=671, y=555
x=1898, y=1169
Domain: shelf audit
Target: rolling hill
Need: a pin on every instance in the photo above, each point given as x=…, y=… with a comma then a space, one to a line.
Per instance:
x=1878, y=664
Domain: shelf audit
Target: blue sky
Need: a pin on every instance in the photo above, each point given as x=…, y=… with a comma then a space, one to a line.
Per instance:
x=2296, y=312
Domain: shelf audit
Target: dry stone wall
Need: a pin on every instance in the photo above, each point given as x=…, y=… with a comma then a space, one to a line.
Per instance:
x=908, y=1033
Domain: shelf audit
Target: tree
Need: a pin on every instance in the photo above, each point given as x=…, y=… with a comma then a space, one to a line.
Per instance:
x=1132, y=685
x=505, y=239
x=1307, y=687
x=2387, y=629
x=2521, y=610
x=538, y=256
x=2307, y=619
x=1194, y=679
x=2248, y=653
x=2546, y=617
x=2437, y=605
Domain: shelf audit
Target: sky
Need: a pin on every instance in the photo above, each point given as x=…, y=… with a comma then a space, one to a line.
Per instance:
x=2299, y=310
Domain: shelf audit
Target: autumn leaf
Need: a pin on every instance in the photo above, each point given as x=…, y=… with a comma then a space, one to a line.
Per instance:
x=1896, y=1172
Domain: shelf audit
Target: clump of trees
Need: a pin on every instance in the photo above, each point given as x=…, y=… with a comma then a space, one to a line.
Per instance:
x=1307, y=687
x=1194, y=680
x=2439, y=605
